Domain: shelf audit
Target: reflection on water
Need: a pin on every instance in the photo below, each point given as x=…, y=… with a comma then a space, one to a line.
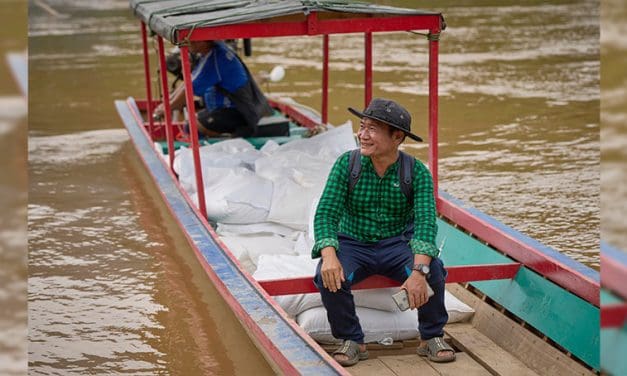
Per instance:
x=114, y=287
x=614, y=121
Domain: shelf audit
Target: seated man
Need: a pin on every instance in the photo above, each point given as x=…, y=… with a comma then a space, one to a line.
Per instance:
x=234, y=103
x=380, y=226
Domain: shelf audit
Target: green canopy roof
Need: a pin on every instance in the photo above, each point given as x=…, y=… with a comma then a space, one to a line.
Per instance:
x=167, y=17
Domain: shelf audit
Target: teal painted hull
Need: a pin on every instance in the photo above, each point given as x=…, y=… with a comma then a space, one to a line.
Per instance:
x=613, y=342
x=563, y=317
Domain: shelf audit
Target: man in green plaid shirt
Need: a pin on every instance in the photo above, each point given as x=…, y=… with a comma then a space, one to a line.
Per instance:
x=375, y=229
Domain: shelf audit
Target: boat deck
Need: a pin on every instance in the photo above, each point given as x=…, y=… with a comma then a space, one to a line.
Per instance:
x=476, y=355
x=490, y=344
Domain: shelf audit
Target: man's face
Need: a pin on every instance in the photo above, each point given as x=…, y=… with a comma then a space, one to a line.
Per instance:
x=376, y=139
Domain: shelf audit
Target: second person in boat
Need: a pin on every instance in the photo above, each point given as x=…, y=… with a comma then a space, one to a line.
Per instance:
x=233, y=101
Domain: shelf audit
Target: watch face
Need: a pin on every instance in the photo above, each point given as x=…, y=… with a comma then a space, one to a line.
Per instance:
x=422, y=269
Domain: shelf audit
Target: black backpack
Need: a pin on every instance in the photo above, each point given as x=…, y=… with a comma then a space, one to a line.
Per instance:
x=405, y=173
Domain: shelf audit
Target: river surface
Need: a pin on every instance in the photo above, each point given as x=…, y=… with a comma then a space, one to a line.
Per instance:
x=114, y=288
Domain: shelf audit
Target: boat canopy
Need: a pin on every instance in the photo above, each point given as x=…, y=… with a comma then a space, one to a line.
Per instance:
x=168, y=17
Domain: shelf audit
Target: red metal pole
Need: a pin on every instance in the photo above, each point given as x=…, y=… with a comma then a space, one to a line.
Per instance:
x=166, y=102
x=368, y=69
x=147, y=78
x=433, y=108
x=325, y=78
x=193, y=129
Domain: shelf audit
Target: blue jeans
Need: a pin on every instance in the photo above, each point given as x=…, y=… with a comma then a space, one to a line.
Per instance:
x=393, y=258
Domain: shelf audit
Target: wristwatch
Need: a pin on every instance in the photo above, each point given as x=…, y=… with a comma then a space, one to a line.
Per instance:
x=422, y=269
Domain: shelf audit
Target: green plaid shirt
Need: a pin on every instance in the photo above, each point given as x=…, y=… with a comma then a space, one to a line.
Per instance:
x=376, y=209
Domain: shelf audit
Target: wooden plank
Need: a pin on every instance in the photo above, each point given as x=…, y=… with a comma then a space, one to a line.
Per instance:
x=408, y=365
x=486, y=352
x=463, y=365
x=515, y=339
x=370, y=367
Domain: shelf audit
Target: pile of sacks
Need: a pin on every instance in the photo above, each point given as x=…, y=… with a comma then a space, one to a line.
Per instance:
x=263, y=202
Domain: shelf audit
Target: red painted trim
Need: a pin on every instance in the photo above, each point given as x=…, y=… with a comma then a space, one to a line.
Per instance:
x=163, y=71
x=149, y=102
x=325, y=79
x=433, y=113
x=613, y=316
x=193, y=129
x=293, y=113
x=367, y=69
x=572, y=280
x=314, y=27
x=456, y=274
x=614, y=276
x=263, y=342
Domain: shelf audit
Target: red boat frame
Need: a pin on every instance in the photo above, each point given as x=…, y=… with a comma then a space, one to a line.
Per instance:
x=565, y=275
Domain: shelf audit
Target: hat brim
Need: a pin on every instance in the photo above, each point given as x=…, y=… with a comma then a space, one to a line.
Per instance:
x=362, y=115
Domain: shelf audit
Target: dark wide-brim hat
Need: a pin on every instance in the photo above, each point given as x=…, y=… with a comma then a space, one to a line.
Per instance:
x=390, y=113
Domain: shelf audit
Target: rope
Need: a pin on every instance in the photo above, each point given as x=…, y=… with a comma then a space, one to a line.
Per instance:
x=429, y=36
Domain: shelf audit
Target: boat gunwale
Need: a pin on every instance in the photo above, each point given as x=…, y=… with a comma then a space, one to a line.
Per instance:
x=564, y=271
x=269, y=348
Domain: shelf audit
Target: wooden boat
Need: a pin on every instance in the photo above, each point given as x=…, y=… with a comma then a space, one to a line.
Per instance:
x=613, y=311
x=537, y=311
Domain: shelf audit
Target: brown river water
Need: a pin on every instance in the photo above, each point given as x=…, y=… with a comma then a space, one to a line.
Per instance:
x=113, y=286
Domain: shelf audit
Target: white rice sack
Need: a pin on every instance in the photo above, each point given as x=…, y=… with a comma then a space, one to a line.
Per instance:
x=239, y=249
x=378, y=326
x=237, y=196
x=226, y=154
x=298, y=180
x=457, y=310
x=303, y=244
x=256, y=246
x=263, y=228
x=327, y=145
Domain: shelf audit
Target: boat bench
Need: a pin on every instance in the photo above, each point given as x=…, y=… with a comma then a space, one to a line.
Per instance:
x=456, y=274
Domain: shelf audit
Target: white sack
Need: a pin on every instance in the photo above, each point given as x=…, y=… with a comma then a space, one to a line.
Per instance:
x=225, y=154
x=378, y=326
x=256, y=246
x=457, y=310
x=237, y=195
x=263, y=228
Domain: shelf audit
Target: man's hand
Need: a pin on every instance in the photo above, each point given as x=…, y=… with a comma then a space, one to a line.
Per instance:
x=416, y=286
x=331, y=270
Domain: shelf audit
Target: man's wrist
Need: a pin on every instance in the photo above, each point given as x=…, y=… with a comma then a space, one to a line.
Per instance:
x=327, y=251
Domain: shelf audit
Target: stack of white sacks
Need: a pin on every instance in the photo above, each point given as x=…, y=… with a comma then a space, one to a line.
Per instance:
x=263, y=202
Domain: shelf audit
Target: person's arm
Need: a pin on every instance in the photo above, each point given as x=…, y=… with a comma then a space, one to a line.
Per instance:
x=177, y=101
x=425, y=229
x=326, y=224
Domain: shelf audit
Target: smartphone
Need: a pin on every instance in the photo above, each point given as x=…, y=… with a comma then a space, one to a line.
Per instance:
x=402, y=300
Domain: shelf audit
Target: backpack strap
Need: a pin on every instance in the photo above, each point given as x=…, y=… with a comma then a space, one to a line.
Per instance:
x=406, y=175
x=354, y=169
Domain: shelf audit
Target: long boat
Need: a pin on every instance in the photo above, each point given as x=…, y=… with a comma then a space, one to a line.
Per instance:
x=536, y=310
x=613, y=310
